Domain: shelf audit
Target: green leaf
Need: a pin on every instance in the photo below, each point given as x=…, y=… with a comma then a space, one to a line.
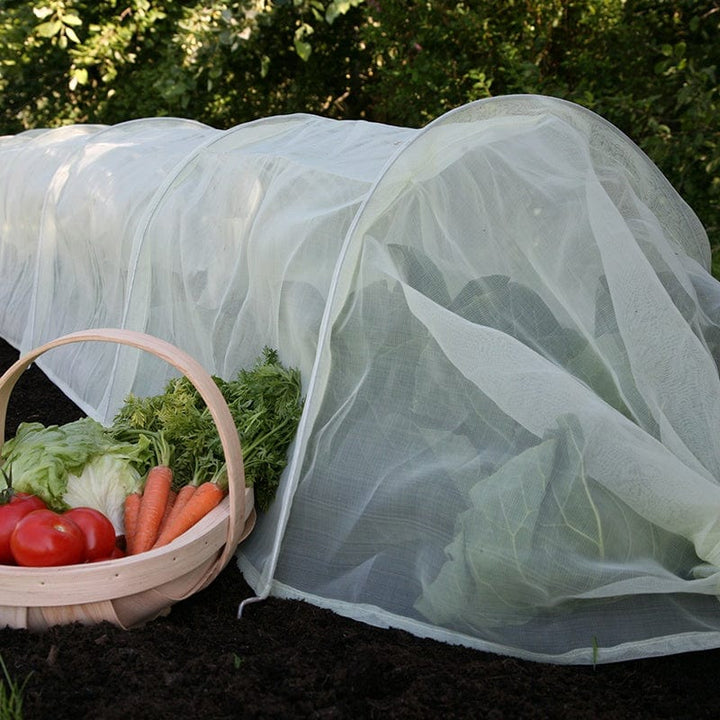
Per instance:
x=303, y=48
x=79, y=77
x=70, y=33
x=339, y=7
x=49, y=29
x=264, y=66
x=489, y=566
x=42, y=12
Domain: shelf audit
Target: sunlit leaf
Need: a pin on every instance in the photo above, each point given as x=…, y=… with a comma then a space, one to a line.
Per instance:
x=339, y=7
x=302, y=47
x=49, y=29
x=79, y=77
x=42, y=12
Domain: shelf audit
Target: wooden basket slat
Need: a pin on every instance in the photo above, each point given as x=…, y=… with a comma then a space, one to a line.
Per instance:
x=13, y=616
x=91, y=613
x=135, y=610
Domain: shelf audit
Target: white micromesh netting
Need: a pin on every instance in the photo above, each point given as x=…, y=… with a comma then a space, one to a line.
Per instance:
x=508, y=336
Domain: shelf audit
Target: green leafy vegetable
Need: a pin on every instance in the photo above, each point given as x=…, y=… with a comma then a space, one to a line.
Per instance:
x=104, y=484
x=266, y=404
x=77, y=463
x=531, y=530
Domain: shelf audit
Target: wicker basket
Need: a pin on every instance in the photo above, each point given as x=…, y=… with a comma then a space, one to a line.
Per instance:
x=132, y=590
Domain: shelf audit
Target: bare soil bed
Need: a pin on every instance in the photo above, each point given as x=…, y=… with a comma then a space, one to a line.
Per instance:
x=287, y=659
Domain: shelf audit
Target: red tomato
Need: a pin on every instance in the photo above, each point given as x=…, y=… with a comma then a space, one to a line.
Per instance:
x=44, y=538
x=10, y=514
x=99, y=531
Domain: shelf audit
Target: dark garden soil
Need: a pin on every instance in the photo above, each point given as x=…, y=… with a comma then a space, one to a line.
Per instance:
x=287, y=659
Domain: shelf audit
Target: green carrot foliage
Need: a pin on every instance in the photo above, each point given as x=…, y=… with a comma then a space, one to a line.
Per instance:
x=265, y=402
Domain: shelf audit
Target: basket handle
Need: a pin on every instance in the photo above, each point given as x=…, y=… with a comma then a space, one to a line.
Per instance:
x=194, y=372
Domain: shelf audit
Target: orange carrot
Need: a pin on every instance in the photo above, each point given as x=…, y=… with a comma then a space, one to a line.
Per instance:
x=152, y=507
x=130, y=519
x=201, y=502
x=169, y=505
x=183, y=495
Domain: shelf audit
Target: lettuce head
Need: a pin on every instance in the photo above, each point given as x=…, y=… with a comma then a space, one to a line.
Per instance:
x=76, y=464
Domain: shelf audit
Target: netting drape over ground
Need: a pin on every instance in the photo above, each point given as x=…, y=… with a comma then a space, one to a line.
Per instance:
x=508, y=336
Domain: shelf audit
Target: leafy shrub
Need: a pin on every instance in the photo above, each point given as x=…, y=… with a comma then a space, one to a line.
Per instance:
x=648, y=66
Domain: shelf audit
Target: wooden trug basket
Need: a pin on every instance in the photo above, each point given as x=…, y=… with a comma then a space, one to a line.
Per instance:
x=132, y=590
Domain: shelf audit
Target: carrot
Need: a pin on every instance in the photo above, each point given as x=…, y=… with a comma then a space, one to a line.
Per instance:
x=183, y=495
x=130, y=518
x=169, y=505
x=201, y=502
x=152, y=507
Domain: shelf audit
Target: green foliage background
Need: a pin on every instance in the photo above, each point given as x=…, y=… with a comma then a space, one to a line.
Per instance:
x=648, y=66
